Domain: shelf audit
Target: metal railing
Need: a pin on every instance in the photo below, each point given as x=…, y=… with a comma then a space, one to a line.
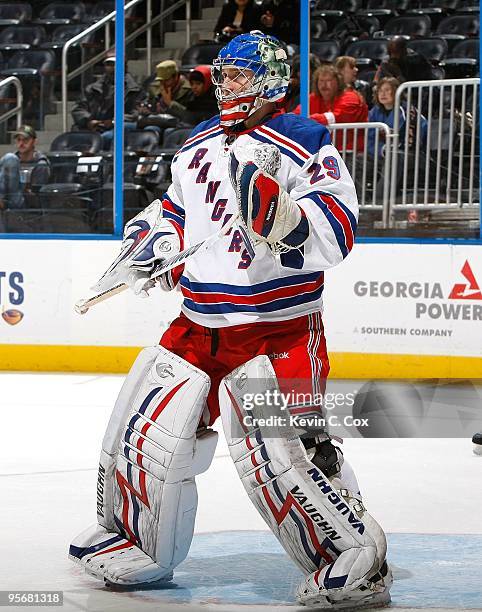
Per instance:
x=429, y=161
x=18, y=108
x=370, y=173
x=434, y=156
x=104, y=23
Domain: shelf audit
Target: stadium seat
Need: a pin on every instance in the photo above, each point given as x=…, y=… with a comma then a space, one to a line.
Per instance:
x=62, y=34
x=326, y=50
x=368, y=52
x=392, y=5
x=176, y=137
x=466, y=49
x=349, y=28
x=141, y=142
x=66, y=209
x=412, y=25
x=461, y=6
x=443, y=4
x=382, y=14
x=15, y=13
x=100, y=10
x=76, y=162
x=199, y=54
x=68, y=221
x=88, y=143
x=136, y=198
x=318, y=27
x=25, y=220
x=33, y=68
x=433, y=49
x=77, y=53
x=464, y=59
x=15, y=38
x=59, y=195
x=470, y=8
x=436, y=14
x=464, y=25
x=62, y=13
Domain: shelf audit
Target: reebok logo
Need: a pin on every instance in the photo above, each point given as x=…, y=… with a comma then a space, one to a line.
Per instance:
x=273, y=356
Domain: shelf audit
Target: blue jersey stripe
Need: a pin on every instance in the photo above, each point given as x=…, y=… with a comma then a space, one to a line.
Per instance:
x=277, y=283
x=198, y=142
x=336, y=226
x=291, y=154
x=346, y=210
x=178, y=209
x=305, y=132
x=167, y=214
x=280, y=304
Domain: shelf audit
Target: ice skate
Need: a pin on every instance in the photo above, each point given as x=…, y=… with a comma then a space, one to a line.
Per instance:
x=371, y=593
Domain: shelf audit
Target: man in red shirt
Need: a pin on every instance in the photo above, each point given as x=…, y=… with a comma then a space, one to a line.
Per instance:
x=331, y=103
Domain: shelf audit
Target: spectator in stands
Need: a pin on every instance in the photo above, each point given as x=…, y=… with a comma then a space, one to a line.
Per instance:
x=24, y=171
x=170, y=91
x=403, y=64
x=237, y=17
x=331, y=103
x=384, y=112
x=95, y=109
x=281, y=19
x=204, y=104
x=292, y=98
x=347, y=68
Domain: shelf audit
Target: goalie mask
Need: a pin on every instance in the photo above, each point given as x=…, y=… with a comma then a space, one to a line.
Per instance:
x=249, y=71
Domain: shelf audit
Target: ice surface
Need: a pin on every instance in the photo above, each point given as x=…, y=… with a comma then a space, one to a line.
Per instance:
x=425, y=493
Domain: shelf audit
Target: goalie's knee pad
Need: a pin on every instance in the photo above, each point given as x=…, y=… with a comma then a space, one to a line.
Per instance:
x=146, y=494
x=322, y=525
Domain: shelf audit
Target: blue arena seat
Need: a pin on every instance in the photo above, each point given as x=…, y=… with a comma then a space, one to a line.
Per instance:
x=433, y=49
x=62, y=13
x=326, y=50
x=15, y=13
x=464, y=25
x=411, y=25
x=19, y=37
x=368, y=52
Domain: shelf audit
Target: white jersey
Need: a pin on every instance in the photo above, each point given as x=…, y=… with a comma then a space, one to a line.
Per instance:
x=224, y=286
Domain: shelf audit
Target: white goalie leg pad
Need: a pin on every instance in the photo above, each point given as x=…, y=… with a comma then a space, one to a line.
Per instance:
x=146, y=494
x=323, y=526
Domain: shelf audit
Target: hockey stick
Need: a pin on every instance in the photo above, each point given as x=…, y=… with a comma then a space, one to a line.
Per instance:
x=82, y=306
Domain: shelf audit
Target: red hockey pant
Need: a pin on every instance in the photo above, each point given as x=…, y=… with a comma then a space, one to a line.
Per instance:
x=296, y=348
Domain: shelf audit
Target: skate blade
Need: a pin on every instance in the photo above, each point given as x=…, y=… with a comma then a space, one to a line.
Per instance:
x=165, y=581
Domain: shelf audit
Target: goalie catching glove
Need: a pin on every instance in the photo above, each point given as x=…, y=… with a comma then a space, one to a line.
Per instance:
x=270, y=214
x=148, y=240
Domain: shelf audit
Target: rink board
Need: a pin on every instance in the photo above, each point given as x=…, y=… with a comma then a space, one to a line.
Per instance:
x=391, y=310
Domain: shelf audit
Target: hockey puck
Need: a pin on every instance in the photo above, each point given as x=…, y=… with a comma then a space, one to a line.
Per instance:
x=477, y=440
